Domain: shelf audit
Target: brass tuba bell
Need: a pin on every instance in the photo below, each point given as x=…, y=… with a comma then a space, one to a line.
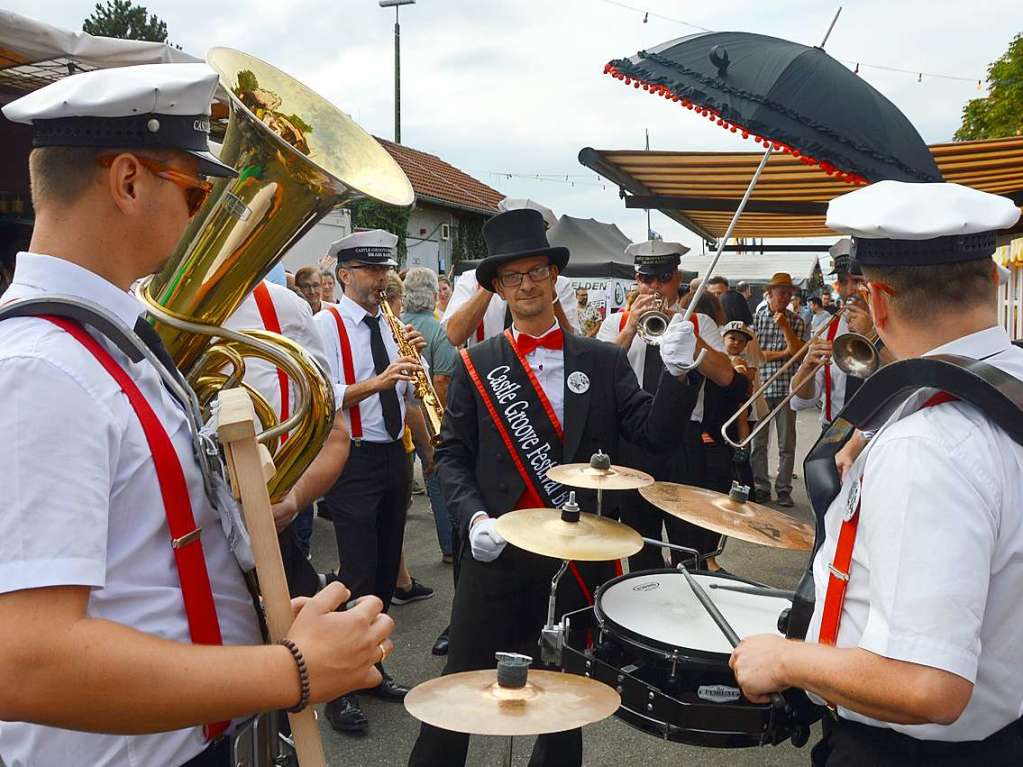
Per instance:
x=298, y=157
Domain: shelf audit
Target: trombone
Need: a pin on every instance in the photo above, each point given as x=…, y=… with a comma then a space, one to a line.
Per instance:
x=854, y=354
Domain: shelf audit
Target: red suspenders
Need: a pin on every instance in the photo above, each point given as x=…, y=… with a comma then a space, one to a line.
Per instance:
x=348, y=365
x=196, y=592
x=828, y=384
x=838, y=578
x=268, y=314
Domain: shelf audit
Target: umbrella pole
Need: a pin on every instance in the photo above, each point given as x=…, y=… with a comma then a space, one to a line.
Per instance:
x=724, y=241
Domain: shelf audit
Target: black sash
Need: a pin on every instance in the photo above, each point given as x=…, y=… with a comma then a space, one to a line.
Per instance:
x=522, y=413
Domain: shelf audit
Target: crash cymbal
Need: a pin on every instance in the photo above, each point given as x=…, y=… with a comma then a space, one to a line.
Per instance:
x=746, y=521
x=612, y=478
x=591, y=539
x=472, y=702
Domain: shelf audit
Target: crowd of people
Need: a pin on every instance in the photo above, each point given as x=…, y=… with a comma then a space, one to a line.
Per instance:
x=133, y=628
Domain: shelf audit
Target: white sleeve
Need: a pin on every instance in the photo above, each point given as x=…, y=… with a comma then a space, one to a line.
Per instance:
x=566, y=295
x=327, y=328
x=465, y=287
x=929, y=529
x=798, y=403
x=61, y=446
x=711, y=333
x=302, y=330
x=609, y=328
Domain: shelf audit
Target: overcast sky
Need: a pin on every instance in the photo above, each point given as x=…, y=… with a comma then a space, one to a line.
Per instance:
x=517, y=87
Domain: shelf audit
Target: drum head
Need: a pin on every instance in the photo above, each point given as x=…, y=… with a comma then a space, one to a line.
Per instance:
x=657, y=607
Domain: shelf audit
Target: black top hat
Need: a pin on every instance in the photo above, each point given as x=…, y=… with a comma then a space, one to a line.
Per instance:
x=513, y=235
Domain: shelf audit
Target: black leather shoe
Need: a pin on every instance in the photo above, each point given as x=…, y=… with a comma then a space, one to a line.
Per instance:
x=345, y=715
x=440, y=647
x=388, y=690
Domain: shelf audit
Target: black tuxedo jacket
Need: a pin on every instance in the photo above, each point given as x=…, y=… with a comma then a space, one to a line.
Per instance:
x=475, y=470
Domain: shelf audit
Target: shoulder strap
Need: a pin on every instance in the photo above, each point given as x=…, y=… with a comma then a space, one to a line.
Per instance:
x=348, y=365
x=196, y=592
x=623, y=320
x=268, y=314
x=828, y=383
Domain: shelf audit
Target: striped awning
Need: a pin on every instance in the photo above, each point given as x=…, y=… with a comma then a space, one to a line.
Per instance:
x=701, y=190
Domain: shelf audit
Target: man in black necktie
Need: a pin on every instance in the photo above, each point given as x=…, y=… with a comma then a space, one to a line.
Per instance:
x=521, y=402
x=372, y=384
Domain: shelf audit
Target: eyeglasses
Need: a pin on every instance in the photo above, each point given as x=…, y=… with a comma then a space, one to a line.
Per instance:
x=378, y=268
x=650, y=279
x=196, y=190
x=514, y=279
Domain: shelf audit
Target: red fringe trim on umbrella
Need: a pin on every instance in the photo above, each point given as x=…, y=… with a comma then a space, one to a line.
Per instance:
x=665, y=92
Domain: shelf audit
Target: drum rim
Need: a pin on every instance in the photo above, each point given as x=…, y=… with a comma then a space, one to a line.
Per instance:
x=669, y=651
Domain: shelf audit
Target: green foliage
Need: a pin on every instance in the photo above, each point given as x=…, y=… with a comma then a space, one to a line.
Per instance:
x=468, y=240
x=1001, y=113
x=370, y=214
x=122, y=19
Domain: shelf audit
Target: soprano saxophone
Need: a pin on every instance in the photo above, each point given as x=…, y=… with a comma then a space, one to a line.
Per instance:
x=429, y=402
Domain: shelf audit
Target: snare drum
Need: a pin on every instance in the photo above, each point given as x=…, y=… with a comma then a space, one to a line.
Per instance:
x=649, y=637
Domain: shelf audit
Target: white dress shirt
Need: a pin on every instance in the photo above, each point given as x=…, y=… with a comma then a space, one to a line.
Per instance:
x=937, y=569
x=493, y=318
x=370, y=411
x=636, y=354
x=549, y=368
x=82, y=506
x=838, y=381
x=296, y=321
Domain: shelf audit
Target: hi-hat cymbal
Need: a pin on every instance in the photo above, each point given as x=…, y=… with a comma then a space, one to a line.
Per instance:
x=746, y=521
x=472, y=702
x=613, y=478
x=591, y=539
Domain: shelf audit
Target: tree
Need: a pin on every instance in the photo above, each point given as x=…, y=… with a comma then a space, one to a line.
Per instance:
x=1001, y=113
x=370, y=214
x=122, y=19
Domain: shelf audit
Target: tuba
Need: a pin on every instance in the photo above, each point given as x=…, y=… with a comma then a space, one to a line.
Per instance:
x=297, y=157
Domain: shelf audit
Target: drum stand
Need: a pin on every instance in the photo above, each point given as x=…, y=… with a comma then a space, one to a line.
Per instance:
x=552, y=635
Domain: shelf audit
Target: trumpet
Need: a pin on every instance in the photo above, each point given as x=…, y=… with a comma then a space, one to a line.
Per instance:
x=429, y=402
x=652, y=324
x=854, y=354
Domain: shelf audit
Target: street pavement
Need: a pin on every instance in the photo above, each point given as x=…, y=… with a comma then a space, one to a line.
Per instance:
x=611, y=742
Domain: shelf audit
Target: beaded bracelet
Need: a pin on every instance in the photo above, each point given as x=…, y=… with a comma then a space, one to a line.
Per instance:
x=303, y=675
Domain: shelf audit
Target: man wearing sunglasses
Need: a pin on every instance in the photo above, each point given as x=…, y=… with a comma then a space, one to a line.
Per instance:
x=125, y=643
x=659, y=278
x=916, y=628
x=522, y=402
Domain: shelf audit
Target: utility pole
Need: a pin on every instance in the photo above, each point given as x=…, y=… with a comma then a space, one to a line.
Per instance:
x=649, y=231
x=397, y=63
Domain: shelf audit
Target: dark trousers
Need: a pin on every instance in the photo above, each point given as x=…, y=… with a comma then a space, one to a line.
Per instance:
x=501, y=606
x=368, y=504
x=708, y=466
x=636, y=512
x=851, y=744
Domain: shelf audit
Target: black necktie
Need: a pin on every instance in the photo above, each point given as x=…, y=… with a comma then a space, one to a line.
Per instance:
x=152, y=339
x=652, y=367
x=388, y=397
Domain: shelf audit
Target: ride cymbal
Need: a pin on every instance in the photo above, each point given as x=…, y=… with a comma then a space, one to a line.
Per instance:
x=746, y=521
x=612, y=478
x=472, y=702
x=591, y=539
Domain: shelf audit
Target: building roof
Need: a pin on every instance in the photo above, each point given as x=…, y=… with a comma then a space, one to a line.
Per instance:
x=756, y=268
x=441, y=183
x=701, y=190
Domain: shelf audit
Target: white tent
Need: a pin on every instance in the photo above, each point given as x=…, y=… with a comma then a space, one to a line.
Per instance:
x=755, y=268
x=33, y=54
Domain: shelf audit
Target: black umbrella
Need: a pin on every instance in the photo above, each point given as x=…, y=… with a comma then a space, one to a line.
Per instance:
x=791, y=97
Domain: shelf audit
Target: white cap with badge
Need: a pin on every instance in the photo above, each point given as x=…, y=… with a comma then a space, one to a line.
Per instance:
x=372, y=247
x=655, y=256
x=150, y=106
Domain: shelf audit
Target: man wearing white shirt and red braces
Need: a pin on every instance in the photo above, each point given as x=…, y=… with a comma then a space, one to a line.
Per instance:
x=916, y=632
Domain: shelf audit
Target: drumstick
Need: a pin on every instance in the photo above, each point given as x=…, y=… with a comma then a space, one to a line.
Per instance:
x=762, y=591
x=726, y=628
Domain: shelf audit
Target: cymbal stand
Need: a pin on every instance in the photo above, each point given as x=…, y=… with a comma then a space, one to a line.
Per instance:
x=552, y=634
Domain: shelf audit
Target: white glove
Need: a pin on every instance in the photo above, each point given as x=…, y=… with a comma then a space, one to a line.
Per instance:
x=484, y=540
x=678, y=345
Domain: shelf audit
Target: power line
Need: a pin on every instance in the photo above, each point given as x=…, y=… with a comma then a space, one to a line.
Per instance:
x=855, y=65
x=554, y=178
